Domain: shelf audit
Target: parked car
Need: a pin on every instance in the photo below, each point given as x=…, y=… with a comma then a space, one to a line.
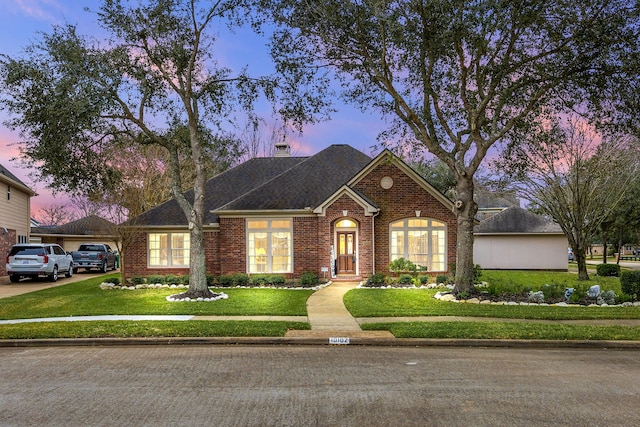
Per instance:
x=38, y=260
x=94, y=256
x=571, y=256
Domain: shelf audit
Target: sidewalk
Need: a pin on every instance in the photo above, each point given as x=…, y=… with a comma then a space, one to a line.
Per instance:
x=326, y=314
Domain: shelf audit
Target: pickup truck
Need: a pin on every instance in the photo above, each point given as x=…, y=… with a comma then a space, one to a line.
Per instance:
x=94, y=255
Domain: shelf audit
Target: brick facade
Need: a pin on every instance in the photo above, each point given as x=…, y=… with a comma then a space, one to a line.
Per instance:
x=313, y=236
x=402, y=201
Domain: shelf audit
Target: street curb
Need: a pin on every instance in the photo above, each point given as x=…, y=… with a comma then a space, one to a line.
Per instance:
x=306, y=341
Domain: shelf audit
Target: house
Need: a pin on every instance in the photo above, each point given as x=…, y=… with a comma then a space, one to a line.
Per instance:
x=338, y=212
x=70, y=236
x=15, y=207
x=518, y=239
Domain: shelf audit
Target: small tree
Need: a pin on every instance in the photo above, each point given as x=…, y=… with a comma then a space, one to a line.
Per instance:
x=571, y=177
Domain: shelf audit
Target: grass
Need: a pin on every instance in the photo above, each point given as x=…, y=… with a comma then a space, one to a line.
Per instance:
x=86, y=298
x=505, y=330
x=420, y=302
x=159, y=328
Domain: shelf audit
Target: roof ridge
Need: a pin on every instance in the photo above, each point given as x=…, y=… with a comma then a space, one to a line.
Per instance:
x=301, y=163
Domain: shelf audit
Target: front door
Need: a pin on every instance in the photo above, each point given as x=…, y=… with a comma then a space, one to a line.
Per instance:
x=346, y=252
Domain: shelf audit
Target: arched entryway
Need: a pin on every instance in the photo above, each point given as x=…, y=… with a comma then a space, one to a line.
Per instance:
x=346, y=242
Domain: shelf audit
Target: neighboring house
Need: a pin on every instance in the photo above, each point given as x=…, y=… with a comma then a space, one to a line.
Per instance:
x=15, y=207
x=90, y=229
x=518, y=239
x=337, y=213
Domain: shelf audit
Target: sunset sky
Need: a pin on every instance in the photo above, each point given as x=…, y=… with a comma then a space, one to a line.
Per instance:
x=21, y=20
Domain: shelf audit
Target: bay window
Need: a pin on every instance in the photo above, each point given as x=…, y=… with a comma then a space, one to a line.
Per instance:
x=421, y=241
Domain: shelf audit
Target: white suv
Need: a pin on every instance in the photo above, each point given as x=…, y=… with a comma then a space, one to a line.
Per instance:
x=38, y=260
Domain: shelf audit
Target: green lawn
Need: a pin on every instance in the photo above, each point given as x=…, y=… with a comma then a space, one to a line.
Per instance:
x=505, y=330
x=156, y=328
x=86, y=298
x=420, y=302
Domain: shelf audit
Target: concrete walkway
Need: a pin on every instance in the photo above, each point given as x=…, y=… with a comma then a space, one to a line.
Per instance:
x=326, y=314
x=330, y=318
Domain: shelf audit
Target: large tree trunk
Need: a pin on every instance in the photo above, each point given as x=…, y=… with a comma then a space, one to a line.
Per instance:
x=465, y=209
x=581, y=258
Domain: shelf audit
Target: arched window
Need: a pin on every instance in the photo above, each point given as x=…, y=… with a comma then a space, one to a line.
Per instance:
x=422, y=241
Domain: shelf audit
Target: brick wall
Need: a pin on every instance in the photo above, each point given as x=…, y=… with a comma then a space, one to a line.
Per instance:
x=326, y=232
x=305, y=246
x=401, y=201
x=233, y=241
x=135, y=257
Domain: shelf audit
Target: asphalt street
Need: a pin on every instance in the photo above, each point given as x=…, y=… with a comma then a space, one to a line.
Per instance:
x=338, y=385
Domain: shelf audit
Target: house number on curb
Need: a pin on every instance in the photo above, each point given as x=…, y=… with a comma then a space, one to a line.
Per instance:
x=338, y=340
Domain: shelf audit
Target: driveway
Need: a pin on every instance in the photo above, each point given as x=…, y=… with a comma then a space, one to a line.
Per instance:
x=8, y=289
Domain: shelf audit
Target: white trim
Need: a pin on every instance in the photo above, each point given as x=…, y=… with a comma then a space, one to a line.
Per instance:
x=429, y=228
x=369, y=209
x=356, y=231
x=269, y=231
x=388, y=156
x=170, y=263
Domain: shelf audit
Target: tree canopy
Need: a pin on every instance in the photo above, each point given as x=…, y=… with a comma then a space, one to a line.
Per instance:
x=154, y=81
x=456, y=77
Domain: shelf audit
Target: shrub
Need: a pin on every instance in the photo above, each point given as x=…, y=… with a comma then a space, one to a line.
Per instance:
x=422, y=279
x=402, y=264
x=442, y=278
x=405, y=279
x=630, y=283
x=277, y=279
x=605, y=270
x=211, y=279
x=240, y=279
x=553, y=291
x=579, y=293
x=114, y=280
x=137, y=280
x=309, y=278
x=258, y=280
x=225, y=281
x=171, y=279
x=477, y=273
x=155, y=279
x=377, y=279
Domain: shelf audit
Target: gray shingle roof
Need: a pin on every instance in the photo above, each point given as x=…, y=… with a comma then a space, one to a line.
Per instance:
x=89, y=225
x=516, y=220
x=279, y=183
x=307, y=184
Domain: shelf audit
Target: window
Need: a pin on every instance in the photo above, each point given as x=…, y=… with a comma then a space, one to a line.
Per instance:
x=421, y=241
x=269, y=246
x=169, y=249
x=8, y=192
